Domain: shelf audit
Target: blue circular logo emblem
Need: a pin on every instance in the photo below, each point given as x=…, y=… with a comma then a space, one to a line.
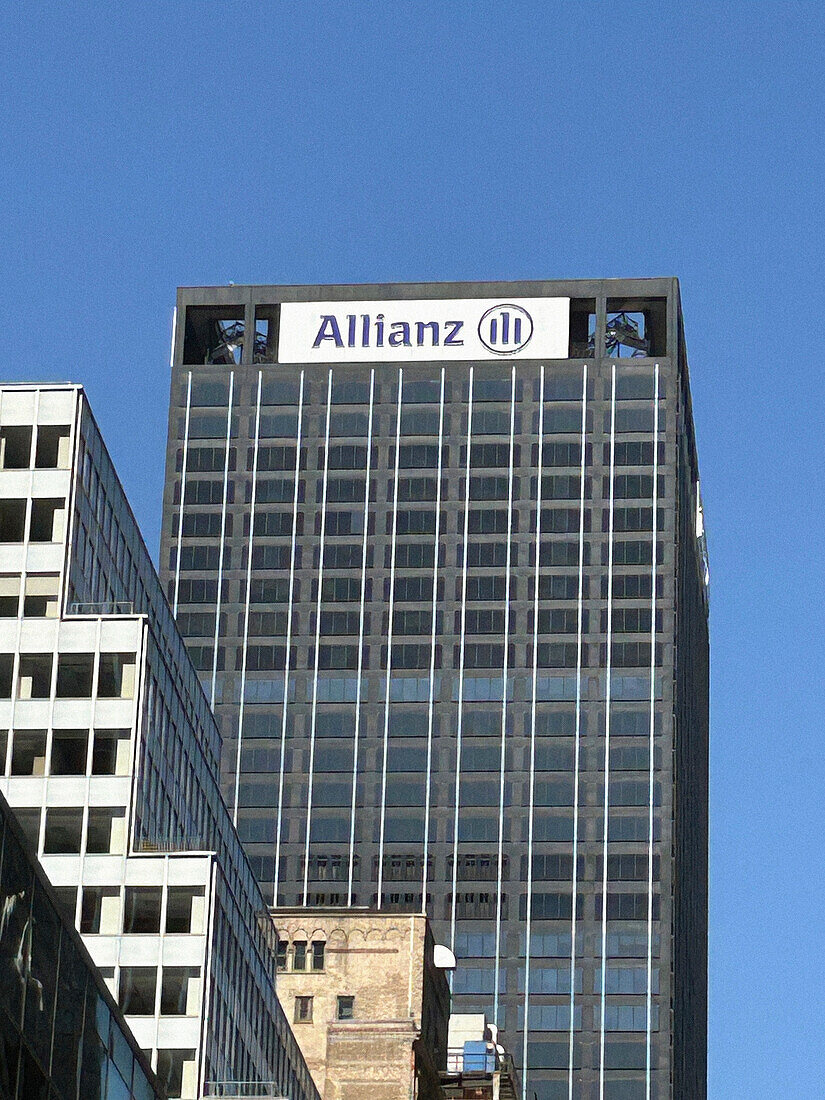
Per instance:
x=505, y=329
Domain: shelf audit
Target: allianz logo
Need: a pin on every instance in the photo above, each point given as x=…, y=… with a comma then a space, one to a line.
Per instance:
x=503, y=329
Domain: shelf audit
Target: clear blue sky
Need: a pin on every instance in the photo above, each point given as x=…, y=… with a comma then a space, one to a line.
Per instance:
x=147, y=145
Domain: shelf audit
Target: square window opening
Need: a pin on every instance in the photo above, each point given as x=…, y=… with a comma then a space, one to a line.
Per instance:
x=100, y=910
x=74, y=675
x=28, y=756
x=52, y=452
x=116, y=676
x=15, y=447
x=214, y=334
x=35, y=676
x=69, y=751
x=47, y=520
x=12, y=520
x=110, y=752
x=64, y=829
x=636, y=327
x=106, y=834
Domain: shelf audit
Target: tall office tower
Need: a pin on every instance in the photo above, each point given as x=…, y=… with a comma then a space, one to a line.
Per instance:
x=437, y=553
x=109, y=759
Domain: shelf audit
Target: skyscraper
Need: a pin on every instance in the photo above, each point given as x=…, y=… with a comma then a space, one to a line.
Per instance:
x=109, y=759
x=437, y=552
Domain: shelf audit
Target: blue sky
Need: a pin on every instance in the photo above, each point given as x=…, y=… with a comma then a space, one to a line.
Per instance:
x=151, y=145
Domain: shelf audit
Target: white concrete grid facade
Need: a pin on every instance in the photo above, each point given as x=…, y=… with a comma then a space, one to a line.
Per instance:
x=74, y=695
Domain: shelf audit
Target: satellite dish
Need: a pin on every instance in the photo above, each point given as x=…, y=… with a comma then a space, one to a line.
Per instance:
x=443, y=958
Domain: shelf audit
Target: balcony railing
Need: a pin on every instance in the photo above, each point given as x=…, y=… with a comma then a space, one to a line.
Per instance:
x=105, y=607
x=242, y=1090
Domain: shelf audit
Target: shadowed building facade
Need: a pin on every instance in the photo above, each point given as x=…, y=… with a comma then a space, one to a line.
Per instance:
x=437, y=552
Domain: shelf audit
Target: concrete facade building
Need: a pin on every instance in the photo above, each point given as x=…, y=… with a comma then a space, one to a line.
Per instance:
x=437, y=552
x=109, y=758
x=369, y=1002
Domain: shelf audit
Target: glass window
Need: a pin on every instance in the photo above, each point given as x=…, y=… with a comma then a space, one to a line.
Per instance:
x=318, y=953
x=35, y=677
x=64, y=828
x=69, y=750
x=110, y=752
x=142, y=909
x=9, y=595
x=15, y=447
x=100, y=910
x=116, y=676
x=28, y=755
x=303, y=1010
x=345, y=1008
x=172, y=1066
x=180, y=991
x=74, y=675
x=299, y=955
x=138, y=985
x=184, y=909
x=107, y=830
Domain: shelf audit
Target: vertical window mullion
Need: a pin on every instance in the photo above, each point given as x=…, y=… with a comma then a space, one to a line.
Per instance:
x=504, y=693
x=317, y=638
x=391, y=612
x=607, y=689
x=361, y=612
x=651, y=738
x=246, y=602
x=532, y=781
x=182, y=490
x=223, y=541
x=433, y=634
x=459, y=727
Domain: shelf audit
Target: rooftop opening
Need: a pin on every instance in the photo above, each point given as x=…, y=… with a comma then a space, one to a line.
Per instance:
x=582, y=328
x=266, y=334
x=214, y=334
x=635, y=328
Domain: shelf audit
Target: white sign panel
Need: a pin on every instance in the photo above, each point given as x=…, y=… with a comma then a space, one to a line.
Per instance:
x=425, y=330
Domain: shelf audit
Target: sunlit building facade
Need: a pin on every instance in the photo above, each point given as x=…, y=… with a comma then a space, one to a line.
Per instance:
x=63, y=1035
x=109, y=758
x=438, y=555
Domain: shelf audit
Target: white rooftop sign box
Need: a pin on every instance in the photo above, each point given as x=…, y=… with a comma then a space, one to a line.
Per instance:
x=424, y=330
